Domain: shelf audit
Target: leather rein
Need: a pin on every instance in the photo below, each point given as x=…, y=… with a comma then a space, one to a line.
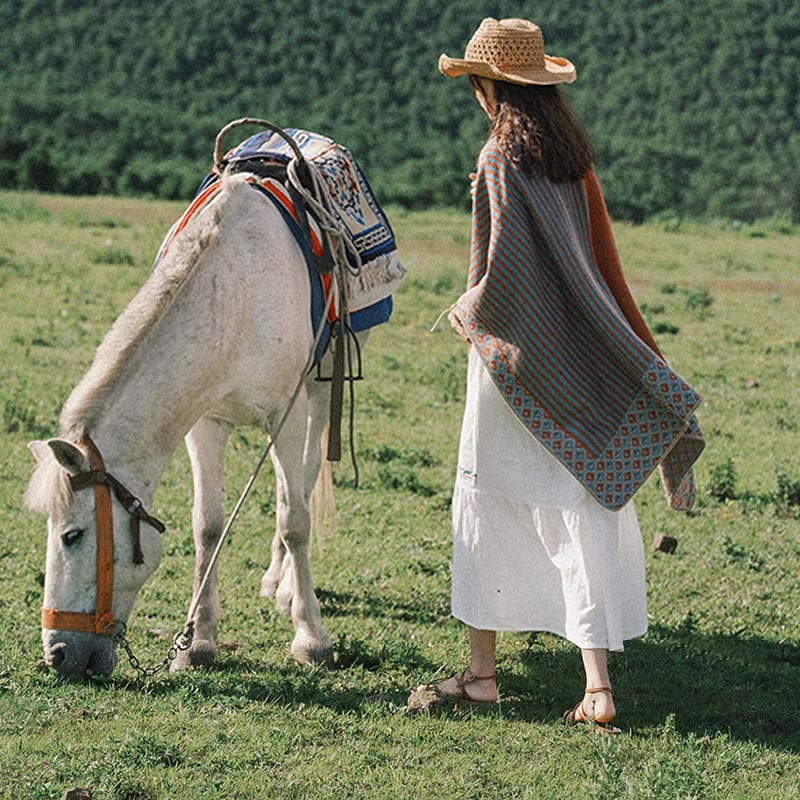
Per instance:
x=102, y=619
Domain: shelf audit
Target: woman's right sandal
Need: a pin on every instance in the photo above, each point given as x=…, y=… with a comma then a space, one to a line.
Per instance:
x=577, y=716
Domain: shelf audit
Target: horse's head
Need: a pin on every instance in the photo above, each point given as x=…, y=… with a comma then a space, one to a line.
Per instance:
x=101, y=547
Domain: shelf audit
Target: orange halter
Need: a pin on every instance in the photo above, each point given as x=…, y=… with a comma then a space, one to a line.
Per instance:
x=102, y=619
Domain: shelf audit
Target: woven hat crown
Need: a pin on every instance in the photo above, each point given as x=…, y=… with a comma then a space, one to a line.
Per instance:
x=509, y=50
x=512, y=44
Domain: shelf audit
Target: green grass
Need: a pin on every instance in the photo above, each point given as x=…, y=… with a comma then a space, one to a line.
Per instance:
x=708, y=698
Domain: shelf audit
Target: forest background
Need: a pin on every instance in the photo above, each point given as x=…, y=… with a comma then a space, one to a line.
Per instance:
x=693, y=107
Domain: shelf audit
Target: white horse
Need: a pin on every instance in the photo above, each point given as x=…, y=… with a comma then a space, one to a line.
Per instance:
x=218, y=336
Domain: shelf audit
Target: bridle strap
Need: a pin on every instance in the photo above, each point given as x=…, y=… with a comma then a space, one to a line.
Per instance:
x=102, y=620
x=129, y=501
x=83, y=622
x=105, y=541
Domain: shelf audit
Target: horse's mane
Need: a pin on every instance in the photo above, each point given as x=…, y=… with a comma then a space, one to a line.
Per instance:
x=49, y=490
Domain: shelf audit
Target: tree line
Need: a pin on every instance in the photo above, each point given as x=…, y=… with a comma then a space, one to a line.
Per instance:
x=693, y=108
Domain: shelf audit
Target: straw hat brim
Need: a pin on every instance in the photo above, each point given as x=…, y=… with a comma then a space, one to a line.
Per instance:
x=556, y=70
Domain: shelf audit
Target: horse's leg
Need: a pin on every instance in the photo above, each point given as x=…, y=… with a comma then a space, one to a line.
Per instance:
x=206, y=445
x=318, y=470
x=311, y=644
x=319, y=398
x=277, y=580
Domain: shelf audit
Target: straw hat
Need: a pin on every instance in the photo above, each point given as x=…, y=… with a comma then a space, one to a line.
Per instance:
x=509, y=50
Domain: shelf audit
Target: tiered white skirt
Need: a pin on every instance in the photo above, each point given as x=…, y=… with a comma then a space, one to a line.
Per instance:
x=532, y=549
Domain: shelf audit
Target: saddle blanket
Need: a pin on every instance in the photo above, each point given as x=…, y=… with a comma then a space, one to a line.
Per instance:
x=369, y=288
x=351, y=194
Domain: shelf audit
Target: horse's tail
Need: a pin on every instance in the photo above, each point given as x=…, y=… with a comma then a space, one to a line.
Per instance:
x=323, y=501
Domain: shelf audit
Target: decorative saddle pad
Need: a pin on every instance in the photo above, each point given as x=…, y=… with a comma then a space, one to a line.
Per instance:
x=352, y=196
x=371, y=287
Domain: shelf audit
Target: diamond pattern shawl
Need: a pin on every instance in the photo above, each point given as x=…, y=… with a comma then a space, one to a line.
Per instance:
x=555, y=324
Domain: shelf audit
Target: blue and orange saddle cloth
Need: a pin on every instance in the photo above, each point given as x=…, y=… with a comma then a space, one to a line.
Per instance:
x=369, y=289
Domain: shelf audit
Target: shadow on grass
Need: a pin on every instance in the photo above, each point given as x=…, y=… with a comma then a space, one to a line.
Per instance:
x=243, y=677
x=705, y=684
x=743, y=687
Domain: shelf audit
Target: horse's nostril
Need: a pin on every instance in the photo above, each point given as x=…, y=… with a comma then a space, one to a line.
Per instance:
x=57, y=655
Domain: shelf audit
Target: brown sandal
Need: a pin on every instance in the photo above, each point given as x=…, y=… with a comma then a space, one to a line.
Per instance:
x=462, y=681
x=577, y=716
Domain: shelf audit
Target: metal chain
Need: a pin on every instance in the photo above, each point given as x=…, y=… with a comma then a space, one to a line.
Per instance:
x=182, y=641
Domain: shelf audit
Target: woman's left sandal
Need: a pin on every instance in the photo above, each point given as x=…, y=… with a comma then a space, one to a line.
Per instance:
x=462, y=681
x=577, y=716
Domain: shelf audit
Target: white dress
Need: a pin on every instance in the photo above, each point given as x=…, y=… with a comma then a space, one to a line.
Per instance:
x=532, y=549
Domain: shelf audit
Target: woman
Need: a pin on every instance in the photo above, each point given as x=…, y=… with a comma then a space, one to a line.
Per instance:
x=569, y=404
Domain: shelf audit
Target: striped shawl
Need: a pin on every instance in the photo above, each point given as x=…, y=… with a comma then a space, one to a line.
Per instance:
x=551, y=315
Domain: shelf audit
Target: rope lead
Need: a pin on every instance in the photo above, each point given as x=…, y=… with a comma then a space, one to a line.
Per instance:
x=341, y=246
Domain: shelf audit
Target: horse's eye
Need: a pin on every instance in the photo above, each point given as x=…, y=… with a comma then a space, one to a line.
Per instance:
x=72, y=537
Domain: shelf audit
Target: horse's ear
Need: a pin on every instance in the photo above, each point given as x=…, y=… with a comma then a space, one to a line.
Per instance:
x=68, y=456
x=39, y=449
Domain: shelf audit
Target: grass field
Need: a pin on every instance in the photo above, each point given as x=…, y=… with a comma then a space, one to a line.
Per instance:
x=708, y=698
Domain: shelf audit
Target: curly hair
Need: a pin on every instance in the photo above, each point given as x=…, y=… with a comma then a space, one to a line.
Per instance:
x=536, y=128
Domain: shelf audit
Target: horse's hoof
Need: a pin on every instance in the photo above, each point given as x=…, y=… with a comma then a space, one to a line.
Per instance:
x=202, y=653
x=313, y=654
